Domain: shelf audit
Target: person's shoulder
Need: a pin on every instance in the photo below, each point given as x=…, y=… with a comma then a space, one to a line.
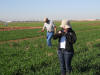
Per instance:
x=51, y=21
x=45, y=23
x=70, y=30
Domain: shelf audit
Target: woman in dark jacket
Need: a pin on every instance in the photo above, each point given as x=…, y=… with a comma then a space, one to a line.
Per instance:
x=67, y=38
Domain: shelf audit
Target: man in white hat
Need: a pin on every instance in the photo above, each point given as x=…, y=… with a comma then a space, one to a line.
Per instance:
x=67, y=38
x=51, y=29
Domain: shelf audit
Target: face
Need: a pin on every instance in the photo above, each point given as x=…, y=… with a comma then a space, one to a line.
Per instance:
x=65, y=29
x=46, y=20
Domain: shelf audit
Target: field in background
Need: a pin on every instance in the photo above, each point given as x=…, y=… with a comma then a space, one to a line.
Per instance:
x=24, y=52
x=22, y=24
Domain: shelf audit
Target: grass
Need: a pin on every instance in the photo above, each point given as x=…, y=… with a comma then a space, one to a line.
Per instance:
x=33, y=57
x=19, y=34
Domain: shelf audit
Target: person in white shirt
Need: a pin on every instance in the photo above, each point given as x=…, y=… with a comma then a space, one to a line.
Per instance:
x=51, y=29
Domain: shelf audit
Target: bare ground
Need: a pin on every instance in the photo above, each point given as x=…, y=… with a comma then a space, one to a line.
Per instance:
x=17, y=28
x=94, y=24
x=21, y=28
x=18, y=40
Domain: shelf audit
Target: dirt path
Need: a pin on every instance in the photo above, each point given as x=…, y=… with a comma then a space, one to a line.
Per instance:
x=17, y=28
x=18, y=40
x=21, y=28
x=94, y=24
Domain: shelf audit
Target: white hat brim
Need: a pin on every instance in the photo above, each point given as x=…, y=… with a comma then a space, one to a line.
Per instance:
x=65, y=26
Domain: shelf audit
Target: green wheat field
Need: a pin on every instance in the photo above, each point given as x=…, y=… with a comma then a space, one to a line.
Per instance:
x=24, y=52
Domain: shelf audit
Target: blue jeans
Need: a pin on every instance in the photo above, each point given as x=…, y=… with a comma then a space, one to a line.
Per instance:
x=65, y=61
x=49, y=36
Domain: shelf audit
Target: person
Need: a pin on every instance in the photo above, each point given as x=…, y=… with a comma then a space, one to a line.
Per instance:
x=6, y=24
x=51, y=29
x=67, y=38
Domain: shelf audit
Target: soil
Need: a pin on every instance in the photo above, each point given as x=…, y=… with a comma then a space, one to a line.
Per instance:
x=17, y=28
x=18, y=40
x=94, y=24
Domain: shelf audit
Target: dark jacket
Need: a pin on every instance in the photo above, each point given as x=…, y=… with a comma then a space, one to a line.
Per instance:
x=70, y=40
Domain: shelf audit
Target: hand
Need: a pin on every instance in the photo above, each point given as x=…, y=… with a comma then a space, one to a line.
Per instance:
x=59, y=32
x=42, y=30
x=55, y=29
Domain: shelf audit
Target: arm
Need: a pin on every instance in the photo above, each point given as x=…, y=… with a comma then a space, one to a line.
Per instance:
x=43, y=28
x=55, y=29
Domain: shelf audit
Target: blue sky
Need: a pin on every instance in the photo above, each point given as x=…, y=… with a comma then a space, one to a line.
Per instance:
x=53, y=9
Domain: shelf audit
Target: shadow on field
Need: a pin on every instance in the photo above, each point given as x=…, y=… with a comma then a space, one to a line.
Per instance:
x=82, y=50
x=38, y=67
x=57, y=73
x=95, y=68
x=97, y=45
x=14, y=44
x=88, y=63
x=33, y=68
x=18, y=72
